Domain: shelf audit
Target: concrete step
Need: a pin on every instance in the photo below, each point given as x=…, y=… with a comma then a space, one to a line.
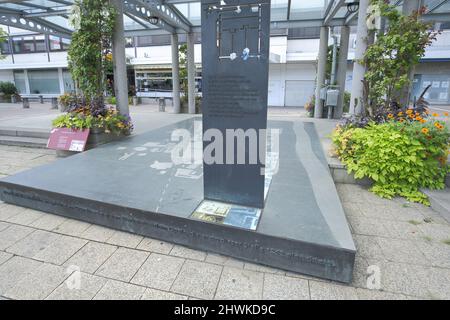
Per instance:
x=440, y=201
x=25, y=132
x=23, y=141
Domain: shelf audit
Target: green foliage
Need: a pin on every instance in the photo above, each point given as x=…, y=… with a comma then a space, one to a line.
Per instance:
x=8, y=88
x=90, y=46
x=111, y=122
x=3, y=38
x=393, y=55
x=183, y=68
x=400, y=157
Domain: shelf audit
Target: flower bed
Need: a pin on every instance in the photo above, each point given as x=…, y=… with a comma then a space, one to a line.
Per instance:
x=405, y=151
x=104, y=119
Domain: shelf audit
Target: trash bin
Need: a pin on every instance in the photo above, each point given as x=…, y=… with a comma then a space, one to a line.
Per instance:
x=162, y=104
x=54, y=103
x=25, y=103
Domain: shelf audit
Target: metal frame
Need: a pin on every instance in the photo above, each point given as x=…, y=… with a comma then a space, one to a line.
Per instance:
x=170, y=18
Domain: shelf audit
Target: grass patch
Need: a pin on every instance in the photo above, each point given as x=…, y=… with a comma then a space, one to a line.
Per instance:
x=427, y=238
x=427, y=220
x=446, y=241
x=414, y=222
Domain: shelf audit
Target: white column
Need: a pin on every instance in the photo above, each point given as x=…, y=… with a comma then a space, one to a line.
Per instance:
x=175, y=74
x=359, y=70
x=27, y=82
x=61, y=80
x=119, y=61
x=191, y=72
x=321, y=70
x=342, y=69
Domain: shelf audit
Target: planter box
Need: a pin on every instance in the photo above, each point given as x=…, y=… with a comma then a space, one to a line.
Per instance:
x=96, y=138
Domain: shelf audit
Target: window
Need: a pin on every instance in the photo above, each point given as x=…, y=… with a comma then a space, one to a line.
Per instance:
x=54, y=43
x=40, y=44
x=65, y=43
x=19, y=80
x=156, y=40
x=304, y=33
x=4, y=47
x=29, y=44
x=129, y=42
x=43, y=81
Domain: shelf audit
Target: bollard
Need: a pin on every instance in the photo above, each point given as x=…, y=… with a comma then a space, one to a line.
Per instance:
x=41, y=99
x=54, y=103
x=25, y=103
x=162, y=104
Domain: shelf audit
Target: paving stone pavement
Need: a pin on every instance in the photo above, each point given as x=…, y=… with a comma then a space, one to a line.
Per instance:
x=44, y=256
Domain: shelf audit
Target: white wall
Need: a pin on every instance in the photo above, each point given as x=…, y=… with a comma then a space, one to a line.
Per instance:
x=6, y=76
x=280, y=73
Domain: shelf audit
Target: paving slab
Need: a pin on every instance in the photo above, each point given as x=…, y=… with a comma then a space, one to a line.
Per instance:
x=12, y=234
x=91, y=256
x=38, y=283
x=117, y=290
x=239, y=284
x=154, y=294
x=300, y=230
x=159, y=271
x=89, y=286
x=123, y=264
x=277, y=287
x=197, y=279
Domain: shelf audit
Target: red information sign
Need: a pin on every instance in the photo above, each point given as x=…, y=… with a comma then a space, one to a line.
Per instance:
x=68, y=139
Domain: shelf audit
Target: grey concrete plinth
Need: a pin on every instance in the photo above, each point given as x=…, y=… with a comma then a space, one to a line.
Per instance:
x=132, y=185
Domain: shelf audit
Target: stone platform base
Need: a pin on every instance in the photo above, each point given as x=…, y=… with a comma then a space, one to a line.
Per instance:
x=132, y=185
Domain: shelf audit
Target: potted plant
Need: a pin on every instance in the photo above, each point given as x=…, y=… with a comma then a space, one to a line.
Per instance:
x=9, y=91
x=90, y=59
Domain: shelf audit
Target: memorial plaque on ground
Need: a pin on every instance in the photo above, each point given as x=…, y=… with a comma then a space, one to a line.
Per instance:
x=68, y=139
x=235, y=55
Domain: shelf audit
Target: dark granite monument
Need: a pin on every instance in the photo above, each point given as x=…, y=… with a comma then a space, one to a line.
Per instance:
x=287, y=216
x=235, y=63
x=133, y=185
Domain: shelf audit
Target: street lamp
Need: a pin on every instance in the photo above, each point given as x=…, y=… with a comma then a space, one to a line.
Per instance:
x=153, y=20
x=353, y=6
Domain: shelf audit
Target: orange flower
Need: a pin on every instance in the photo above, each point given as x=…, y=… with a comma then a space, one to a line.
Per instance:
x=390, y=115
x=424, y=130
x=400, y=113
x=423, y=121
x=435, y=114
x=438, y=125
x=418, y=118
x=446, y=114
x=401, y=120
x=409, y=111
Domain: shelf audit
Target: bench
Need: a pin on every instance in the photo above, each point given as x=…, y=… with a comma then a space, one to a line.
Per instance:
x=27, y=97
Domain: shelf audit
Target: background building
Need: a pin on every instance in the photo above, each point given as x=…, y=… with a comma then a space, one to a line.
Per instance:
x=37, y=63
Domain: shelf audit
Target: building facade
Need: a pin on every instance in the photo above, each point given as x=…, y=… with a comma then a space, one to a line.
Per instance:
x=37, y=64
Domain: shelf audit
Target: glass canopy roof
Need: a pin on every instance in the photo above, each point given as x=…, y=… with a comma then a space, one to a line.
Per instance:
x=183, y=14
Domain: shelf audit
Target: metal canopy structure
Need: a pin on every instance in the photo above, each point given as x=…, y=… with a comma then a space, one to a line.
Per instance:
x=183, y=16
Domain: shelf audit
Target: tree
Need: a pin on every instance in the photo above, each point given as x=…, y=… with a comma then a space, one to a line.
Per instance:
x=90, y=47
x=390, y=58
x=3, y=38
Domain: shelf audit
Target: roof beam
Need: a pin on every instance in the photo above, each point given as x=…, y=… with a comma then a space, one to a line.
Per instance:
x=167, y=16
x=47, y=13
x=336, y=6
x=137, y=9
x=135, y=19
x=436, y=5
x=33, y=24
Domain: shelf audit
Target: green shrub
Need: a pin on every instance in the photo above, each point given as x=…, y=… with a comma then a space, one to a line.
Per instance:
x=82, y=118
x=400, y=157
x=8, y=88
